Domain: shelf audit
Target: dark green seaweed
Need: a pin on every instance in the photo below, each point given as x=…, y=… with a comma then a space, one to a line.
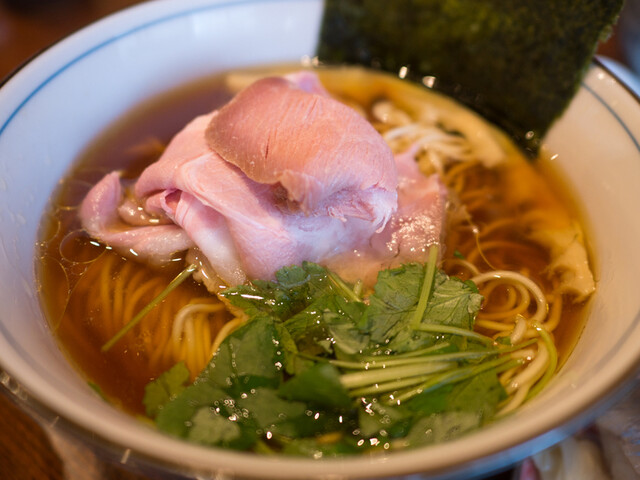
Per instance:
x=517, y=63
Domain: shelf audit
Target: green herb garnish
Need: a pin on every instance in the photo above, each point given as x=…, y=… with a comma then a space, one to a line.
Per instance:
x=318, y=371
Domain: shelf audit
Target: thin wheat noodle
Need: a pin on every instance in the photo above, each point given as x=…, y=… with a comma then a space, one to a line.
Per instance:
x=226, y=329
x=509, y=306
x=496, y=244
x=133, y=302
x=162, y=331
x=538, y=295
x=156, y=355
x=207, y=343
x=200, y=324
x=464, y=264
x=507, y=375
x=555, y=313
x=519, y=331
x=190, y=341
x=531, y=372
x=524, y=353
x=188, y=311
x=496, y=225
x=493, y=325
x=158, y=334
x=533, y=333
x=515, y=401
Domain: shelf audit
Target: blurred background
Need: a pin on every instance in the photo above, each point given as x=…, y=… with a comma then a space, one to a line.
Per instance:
x=26, y=28
x=29, y=26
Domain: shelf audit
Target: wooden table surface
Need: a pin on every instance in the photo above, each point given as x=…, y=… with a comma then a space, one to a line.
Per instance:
x=26, y=451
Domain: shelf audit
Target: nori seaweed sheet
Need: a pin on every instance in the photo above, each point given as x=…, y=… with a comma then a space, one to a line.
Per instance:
x=517, y=62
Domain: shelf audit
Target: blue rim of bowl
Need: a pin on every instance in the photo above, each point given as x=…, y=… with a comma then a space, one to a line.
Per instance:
x=39, y=408
x=95, y=48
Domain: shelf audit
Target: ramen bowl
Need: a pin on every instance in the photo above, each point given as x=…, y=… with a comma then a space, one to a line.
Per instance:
x=53, y=108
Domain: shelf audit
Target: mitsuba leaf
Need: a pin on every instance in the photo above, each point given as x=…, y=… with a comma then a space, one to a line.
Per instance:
x=453, y=303
x=269, y=412
x=233, y=401
x=307, y=327
x=481, y=393
x=176, y=415
x=168, y=385
x=319, y=385
x=441, y=427
x=347, y=338
x=250, y=357
x=329, y=323
x=451, y=411
x=393, y=303
x=243, y=399
x=293, y=363
x=517, y=63
x=316, y=448
x=380, y=420
x=295, y=288
x=210, y=427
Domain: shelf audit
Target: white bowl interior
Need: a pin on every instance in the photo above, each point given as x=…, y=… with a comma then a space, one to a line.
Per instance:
x=53, y=107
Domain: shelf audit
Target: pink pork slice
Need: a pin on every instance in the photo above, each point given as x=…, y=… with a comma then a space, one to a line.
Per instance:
x=414, y=227
x=153, y=243
x=323, y=156
x=249, y=225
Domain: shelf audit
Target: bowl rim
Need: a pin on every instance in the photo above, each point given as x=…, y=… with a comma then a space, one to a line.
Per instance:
x=42, y=408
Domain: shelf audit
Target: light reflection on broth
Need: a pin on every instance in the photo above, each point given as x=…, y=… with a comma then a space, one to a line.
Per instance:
x=89, y=292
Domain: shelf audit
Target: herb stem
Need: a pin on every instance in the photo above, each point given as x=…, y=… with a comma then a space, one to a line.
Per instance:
x=447, y=329
x=390, y=386
x=394, y=362
x=457, y=375
x=343, y=287
x=427, y=286
x=551, y=365
x=182, y=276
x=369, y=377
x=424, y=351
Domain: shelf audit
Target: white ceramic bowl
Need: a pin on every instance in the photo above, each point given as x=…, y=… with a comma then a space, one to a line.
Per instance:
x=53, y=107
